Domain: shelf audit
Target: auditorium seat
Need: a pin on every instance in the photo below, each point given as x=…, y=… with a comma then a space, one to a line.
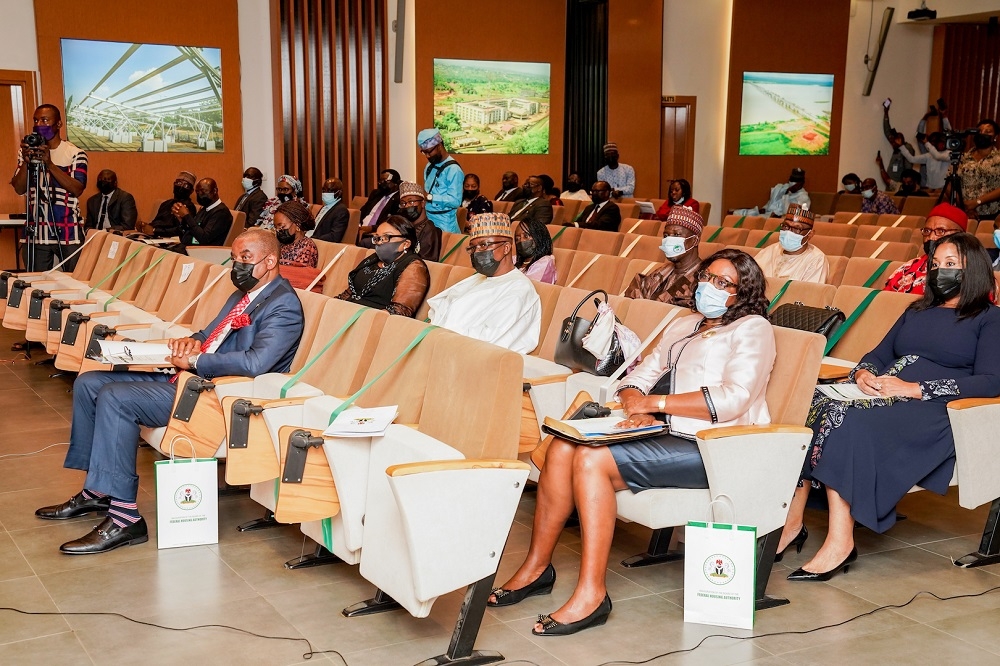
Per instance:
x=644, y=227
x=502, y=206
x=559, y=215
x=814, y=294
x=629, y=210
x=335, y=280
x=760, y=238
x=855, y=217
x=725, y=235
x=706, y=250
x=821, y=228
x=848, y=203
x=641, y=246
x=358, y=201
x=705, y=210
x=602, y=242
x=872, y=325
x=564, y=237
x=438, y=279
x=573, y=208
x=749, y=221
x=634, y=267
x=594, y=271
x=834, y=246
x=901, y=221
x=879, y=249
x=453, y=249
x=462, y=214
x=822, y=203
x=883, y=233
x=238, y=226
x=867, y=272
x=918, y=205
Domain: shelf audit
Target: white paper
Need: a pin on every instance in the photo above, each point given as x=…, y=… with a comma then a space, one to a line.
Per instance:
x=117, y=352
x=362, y=422
x=113, y=250
x=844, y=392
x=646, y=207
x=186, y=270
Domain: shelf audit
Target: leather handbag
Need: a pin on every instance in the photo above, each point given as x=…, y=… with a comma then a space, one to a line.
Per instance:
x=824, y=321
x=569, y=347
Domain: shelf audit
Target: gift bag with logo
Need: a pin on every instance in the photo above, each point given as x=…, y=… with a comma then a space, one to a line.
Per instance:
x=187, y=501
x=720, y=574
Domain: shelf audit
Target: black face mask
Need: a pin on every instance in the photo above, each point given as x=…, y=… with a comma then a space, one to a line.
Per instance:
x=525, y=250
x=945, y=283
x=573, y=187
x=435, y=158
x=182, y=193
x=388, y=252
x=105, y=187
x=383, y=188
x=242, y=276
x=982, y=141
x=484, y=263
x=527, y=192
x=412, y=213
x=470, y=194
x=285, y=237
x=929, y=247
x=283, y=198
x=204, y=201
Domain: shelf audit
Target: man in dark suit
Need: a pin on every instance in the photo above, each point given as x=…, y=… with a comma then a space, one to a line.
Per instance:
x=164, y=223
x=602, y=214
x=533, y=205
x=211, y=224
x=257, y=331
x=111, y=209
x=383, y=201
x=333, y=217
x=252, y=201
x=510, y=190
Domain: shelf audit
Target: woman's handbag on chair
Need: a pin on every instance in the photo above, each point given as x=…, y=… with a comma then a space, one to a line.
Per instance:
x=824, y=321
x=571, y=347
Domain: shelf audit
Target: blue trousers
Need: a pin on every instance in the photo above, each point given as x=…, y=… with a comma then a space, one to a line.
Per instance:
x=108, y=408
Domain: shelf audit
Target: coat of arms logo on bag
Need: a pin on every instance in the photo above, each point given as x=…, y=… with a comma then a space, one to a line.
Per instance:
x=719, y=569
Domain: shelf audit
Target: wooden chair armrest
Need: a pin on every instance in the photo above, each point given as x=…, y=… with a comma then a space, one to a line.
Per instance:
x=56, y=291
x=230, y=380
x=112, y=313
x=830, y=372
x=449, y=465
x=81, y=301
x=547, y=379
x=741, y=430
x=280, y=402
x=133, y=327
x=969, y=403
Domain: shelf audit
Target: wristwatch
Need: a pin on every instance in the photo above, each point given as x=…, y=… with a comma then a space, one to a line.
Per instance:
x=193, y=360
x=661, y=406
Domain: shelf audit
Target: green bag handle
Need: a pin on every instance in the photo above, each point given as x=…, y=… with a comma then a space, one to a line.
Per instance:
x=835, y=338
x=764, y=239
x=113, y=271
x=878, y=271
x=294, y=379
x=739, y=222
x=452, y=250
x=559, y=233
x=714, y=235
x=777, y=297
x=114, y=297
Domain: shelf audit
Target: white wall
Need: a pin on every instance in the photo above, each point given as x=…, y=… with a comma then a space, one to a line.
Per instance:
x=17, y=34
x=696, y=62
x=255, y=89
x=402, y=105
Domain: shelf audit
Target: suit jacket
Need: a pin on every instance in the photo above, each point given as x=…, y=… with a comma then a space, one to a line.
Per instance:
x=609, y=218
x=267, y=344
x=252, y=203
x=540, y=209
x=513, y=195
x=208, y=227
x=121, y=211
x=391, y=207
x=333, y=224
x=165, y=224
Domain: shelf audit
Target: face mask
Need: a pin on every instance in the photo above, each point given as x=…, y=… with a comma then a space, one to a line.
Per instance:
x=285, y=237
x=388, y=252
x=945, y=283
x=673, y=246
x=850, y=187
x=611, y=161
x=330, y=198
x=596, y=199
x=284, y=198
x=710, y=300
x=46, y=131
x=527, y=193
x=105, y=188
x=526, y=250
x=471, y=194
x=242, y=276
x=982, y=141
x=484, y=263
x=412, y=213
x=247, y=184
x=434, y=159
x=573, y=187
x=182, y=193
x=996, y=238
x=204, y=201
x=868, y=194
x=383, y=187
x=790, y=241
x=678, y=201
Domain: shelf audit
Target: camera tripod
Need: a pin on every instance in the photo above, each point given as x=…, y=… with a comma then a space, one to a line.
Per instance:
x=35, y=216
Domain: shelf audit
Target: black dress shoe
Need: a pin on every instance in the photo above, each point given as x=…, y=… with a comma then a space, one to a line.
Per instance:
x=802, y=574
x=107, y=536
x=541, y=585
x=552, y=627
x=75, y=506
x=799, y=539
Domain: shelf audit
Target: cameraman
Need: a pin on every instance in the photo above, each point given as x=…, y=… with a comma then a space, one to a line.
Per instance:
x=980, y=173
x=61, y=171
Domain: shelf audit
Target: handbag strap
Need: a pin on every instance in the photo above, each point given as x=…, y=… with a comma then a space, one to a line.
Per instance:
x=294, y=379
x=777, y=297
x=586, y=298
x=835, y=338
x=874, y=276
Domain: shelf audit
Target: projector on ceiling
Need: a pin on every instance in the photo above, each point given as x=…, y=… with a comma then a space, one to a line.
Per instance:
x=922, y=14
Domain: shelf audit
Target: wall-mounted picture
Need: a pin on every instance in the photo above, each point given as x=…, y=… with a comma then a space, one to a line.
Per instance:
x=150, y=98
x=786, y=114
x=487, y=106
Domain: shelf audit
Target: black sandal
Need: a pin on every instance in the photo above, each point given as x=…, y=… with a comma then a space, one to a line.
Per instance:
x=541, y=585
x=552, y=627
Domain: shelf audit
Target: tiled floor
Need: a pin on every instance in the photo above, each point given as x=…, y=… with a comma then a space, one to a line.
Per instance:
x=241, y=582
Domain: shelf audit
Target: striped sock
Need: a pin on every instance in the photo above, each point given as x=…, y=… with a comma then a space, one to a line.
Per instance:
x=92, y=494
x=123, y=513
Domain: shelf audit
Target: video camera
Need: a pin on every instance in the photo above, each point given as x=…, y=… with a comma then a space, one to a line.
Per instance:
x=33, y=140
x=955, y=141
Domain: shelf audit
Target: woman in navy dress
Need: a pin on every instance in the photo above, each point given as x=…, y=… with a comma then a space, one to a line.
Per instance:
x=868, y=453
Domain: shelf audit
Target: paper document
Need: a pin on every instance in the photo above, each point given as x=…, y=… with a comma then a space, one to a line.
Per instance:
x=134, y=353
x=844, y=392
x=362, y=422
x=646, y=207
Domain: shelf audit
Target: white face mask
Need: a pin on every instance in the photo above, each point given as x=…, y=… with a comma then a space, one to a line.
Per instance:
x=789, y=240
x=868, y=194
x=850, y=187
x=710, y=300
x=673, y=246
x=247, y=184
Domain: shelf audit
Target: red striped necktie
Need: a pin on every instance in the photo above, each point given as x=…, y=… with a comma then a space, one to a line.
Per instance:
x=227, y=322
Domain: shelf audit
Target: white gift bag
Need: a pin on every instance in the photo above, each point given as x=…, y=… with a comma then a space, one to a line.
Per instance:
x=187, y=501
x=720, y=574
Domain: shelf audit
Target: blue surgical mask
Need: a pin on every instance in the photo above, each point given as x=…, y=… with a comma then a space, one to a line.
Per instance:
x=247, y=184
x=868, y=194
x=710, y=300
x=789, y=240
x=850, y=187
x=330, y=199
x=996, y=237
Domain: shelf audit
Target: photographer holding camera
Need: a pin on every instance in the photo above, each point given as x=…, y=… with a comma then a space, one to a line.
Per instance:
x=53, y=174
x=979, y=170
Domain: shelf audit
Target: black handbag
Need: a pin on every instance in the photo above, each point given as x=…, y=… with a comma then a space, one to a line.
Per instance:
x=824, y=321
x=569, y=347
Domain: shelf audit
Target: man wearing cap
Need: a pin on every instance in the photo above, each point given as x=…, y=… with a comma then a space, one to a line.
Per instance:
x=943, y=220
x=793, y=257
x=411, y=206
x=873, y=201
x=675, y=280
x=164, y=223
x=784, y=195
x=443, y=178
x=621, y=177
x=602, y=214
x=499, y=303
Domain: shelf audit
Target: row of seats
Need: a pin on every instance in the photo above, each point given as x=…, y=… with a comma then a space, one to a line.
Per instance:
x=828, y=203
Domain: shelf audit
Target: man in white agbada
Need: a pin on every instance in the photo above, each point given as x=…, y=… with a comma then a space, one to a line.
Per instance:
x=793, y=257
x=499, y=303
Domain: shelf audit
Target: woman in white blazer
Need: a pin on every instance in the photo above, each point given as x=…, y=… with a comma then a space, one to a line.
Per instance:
x=709, y=370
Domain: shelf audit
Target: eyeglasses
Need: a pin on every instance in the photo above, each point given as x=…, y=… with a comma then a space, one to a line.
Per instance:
x=938, y=233
x=378, y=240
x=800, y=231
x=717, y=281
x=472, y=249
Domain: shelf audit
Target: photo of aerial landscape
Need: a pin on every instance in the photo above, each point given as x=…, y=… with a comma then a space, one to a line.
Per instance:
x=786, y=114
x=484, y=106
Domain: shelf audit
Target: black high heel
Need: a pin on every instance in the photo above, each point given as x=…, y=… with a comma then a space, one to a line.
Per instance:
x=802, y=574
x=552, y=627
x=799, y=539
x=541, y=585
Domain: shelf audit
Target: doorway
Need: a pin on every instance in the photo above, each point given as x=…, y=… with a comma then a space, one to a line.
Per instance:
x=677, y=141
x=17, y=103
